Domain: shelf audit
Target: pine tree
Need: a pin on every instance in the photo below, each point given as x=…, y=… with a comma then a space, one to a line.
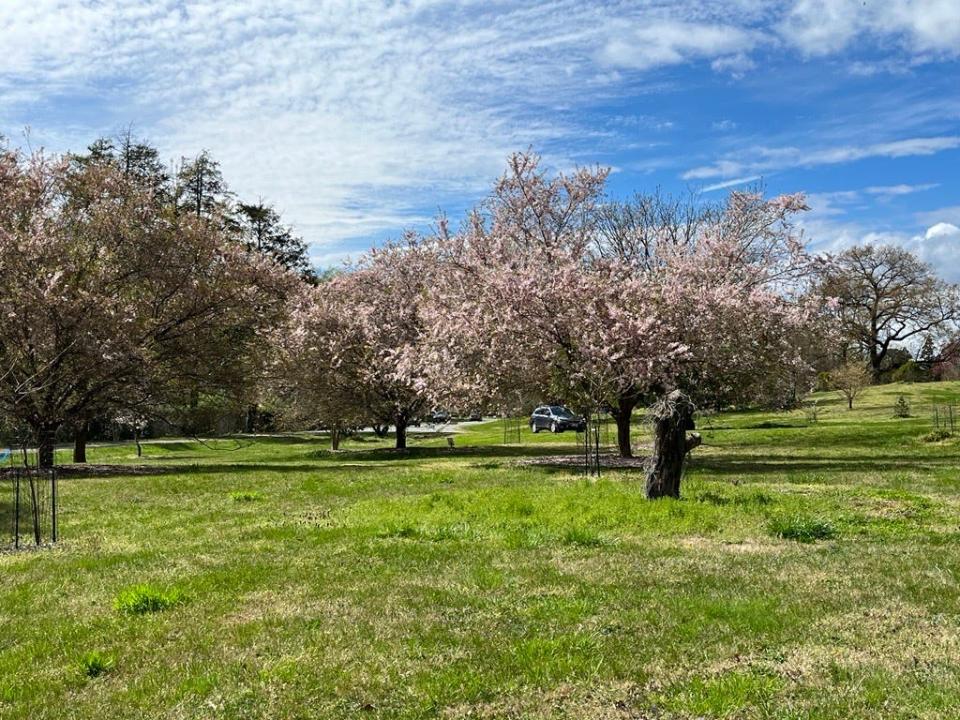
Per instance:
x=136, y=158
x=262, y=230
x=201, y=189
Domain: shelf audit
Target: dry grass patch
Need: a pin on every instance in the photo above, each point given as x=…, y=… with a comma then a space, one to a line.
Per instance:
x=897, y=637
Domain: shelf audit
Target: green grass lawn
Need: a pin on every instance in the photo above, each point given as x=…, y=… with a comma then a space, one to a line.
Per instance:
x=810, y=571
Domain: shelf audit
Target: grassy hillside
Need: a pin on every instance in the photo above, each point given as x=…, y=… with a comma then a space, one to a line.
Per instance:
x=811, y=571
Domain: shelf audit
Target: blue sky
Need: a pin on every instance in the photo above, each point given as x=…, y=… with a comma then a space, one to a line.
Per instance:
x=358, y=119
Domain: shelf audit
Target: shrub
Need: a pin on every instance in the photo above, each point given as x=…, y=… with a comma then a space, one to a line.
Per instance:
x=936, y=436
x=812, y=412
x=245, y=496
x=142, y=599
x=910, y=372
x=94, y=664
x=802, y=528
x=902, y=408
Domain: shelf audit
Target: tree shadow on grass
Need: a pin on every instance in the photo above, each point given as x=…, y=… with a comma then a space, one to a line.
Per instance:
x=441, y=452
x=99, y=471
x=731, y=464
x=325, y=461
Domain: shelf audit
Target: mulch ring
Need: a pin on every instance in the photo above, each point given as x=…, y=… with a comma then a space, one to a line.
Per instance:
x=102, y=470
x=614, y=462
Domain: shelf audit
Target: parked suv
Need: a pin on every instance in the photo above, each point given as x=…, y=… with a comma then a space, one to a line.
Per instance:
x=440, y=417
x=555, y=418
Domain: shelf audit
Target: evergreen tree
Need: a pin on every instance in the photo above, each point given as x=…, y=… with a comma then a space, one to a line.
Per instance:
x=137, y=159
x=262, y=230
x=928, y=355
x=201, y=189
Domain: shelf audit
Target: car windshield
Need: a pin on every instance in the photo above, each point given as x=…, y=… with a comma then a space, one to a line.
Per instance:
x=561, y=412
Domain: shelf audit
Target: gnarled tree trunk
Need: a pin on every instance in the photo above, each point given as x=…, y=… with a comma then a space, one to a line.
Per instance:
x=401, y=434
x=672, y=417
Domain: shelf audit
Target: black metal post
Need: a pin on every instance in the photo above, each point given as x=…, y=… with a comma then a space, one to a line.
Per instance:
x=53, y=505
x=16, y=511
x=596, y=445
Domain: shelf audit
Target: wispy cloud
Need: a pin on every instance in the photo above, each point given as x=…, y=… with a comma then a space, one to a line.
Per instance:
x=900, y=189
x=360, y=118
x=652, y=44
x=764, y=159
x=732, y=183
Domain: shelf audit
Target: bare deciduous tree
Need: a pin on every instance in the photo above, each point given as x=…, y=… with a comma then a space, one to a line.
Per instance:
x=885, y=296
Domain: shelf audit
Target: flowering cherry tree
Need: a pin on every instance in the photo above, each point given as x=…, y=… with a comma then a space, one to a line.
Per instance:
x=357, y=351
x=111, y=302
x=531, y=295
x=320, y=367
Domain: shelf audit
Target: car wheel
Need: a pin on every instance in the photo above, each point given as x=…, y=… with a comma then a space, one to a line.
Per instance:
x=554, y=428
x=533, y=428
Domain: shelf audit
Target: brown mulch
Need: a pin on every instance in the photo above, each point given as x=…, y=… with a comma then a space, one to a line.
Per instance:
x=614, y=462
x=104, y=470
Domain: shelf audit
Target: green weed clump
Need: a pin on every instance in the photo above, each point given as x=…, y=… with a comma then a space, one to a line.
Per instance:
x=143, y=599
x=95, y=663
x=936, y=436
x=582, y=537
x=802, y=528
x=245, y=496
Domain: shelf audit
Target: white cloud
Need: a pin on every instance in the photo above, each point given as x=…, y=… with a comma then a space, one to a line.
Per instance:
x=736, y=65
x=945, y=214
x=646, y=45
x=940, y=247
x=901, y=189
x=820, y=27
x=764, y=159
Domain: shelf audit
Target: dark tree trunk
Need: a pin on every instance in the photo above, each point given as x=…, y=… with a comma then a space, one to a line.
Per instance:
x=381, y=430
x=401, y=434
x=849, y=402
x=250, y=422
x=672, y=417
x=624, y=414
x=335, y=438
x=136, y=439
x=46, y=445
x=80, y=443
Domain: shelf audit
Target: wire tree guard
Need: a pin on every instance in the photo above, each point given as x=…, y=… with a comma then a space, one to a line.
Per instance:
x=28, y=507
x=594, y=441
x=511, y=429
x=944, y=418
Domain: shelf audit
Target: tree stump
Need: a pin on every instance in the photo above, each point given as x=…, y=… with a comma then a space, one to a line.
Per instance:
x=672, y=417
